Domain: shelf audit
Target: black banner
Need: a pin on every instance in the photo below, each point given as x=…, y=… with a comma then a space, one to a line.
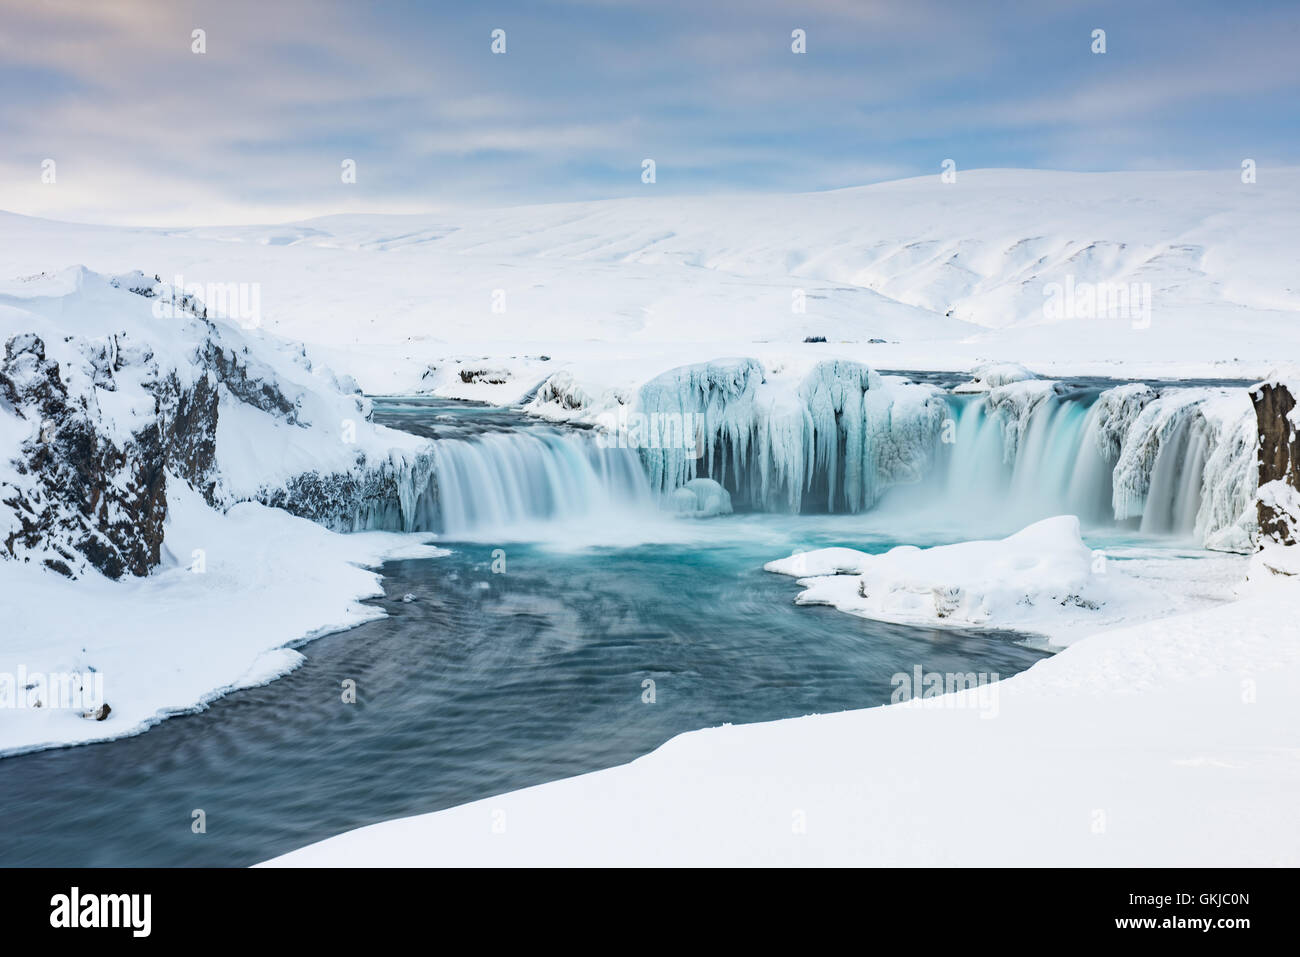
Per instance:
x=652, y=907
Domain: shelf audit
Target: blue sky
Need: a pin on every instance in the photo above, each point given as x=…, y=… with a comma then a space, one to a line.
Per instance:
x=144, y=130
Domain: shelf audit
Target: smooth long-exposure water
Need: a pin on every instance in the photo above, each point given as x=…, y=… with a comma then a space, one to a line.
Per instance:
x=488, y=681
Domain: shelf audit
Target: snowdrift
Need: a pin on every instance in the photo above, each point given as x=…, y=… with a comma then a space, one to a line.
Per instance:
x=1035, y=580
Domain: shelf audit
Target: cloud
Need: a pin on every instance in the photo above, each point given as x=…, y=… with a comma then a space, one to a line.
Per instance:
x=144, y=130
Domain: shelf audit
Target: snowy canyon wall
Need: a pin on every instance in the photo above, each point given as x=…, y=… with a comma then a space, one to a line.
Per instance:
x=103, y=401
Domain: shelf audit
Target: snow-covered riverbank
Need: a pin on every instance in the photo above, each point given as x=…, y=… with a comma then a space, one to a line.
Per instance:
x=237, y=591
x=1171, y=743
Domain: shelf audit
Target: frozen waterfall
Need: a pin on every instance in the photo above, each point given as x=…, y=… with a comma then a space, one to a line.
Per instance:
x=1177, y=461
x=836, y=436
x=833, y=441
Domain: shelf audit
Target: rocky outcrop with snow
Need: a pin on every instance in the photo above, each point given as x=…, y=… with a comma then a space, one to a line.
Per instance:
x=1278, y=502
x=990, y=375
x=105, y=399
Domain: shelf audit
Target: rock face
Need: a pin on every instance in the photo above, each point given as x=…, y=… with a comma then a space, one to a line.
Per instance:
x=1279, y=461
x=90, y=496
x=111, y=399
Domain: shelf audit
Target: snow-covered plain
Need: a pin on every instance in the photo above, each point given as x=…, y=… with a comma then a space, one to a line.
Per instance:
x=620, y=290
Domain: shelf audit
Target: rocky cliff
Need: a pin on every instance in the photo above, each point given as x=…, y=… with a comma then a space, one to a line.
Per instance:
x=102, y=403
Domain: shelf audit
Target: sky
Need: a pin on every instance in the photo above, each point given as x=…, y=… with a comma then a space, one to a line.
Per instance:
x=143, y=130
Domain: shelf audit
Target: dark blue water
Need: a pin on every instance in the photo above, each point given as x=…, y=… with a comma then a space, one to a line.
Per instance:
x=486, y=682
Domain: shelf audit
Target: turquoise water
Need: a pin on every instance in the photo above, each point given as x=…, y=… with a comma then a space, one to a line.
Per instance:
x=485, y=683
x=494, y=677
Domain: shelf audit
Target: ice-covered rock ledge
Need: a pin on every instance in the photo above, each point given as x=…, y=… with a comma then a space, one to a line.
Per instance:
x=104, y=395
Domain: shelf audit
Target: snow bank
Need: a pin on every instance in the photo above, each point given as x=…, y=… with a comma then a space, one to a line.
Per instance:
x=235, y=592
x=1036, y=580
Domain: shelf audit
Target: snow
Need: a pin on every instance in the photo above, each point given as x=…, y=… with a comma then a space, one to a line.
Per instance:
x=1112, y=752
x=1042, y=579
x=659, y=282
x=990, y=375
x=172, y=641
x=1170, y=743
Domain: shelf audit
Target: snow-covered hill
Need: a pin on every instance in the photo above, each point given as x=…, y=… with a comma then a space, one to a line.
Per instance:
x=1001, y=264
x=110, y=388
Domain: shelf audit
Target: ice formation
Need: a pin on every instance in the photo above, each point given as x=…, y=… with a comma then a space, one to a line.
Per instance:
x=835, y=441
x=701, y=498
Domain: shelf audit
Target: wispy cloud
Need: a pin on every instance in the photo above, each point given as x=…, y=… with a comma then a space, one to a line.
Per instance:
x=143, y=130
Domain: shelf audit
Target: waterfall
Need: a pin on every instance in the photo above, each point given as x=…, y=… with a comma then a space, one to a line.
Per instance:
x=1174, y=463
x=834, y=440
x=841, y=437
x=1024, y=460
x=1171, y=462
x=506, y=479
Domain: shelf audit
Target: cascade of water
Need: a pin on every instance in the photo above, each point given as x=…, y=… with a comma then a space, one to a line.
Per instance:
x=502, y=479
x=1123, y=454
x=1175, y=462
x=1089, y=490
x=1174, y=492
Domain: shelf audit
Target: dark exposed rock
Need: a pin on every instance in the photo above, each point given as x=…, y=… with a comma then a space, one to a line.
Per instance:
x=378, y=496
x=88, y=489
x=489, y=376
x=1279, y=457
x=87, y=499
x=256, y=387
